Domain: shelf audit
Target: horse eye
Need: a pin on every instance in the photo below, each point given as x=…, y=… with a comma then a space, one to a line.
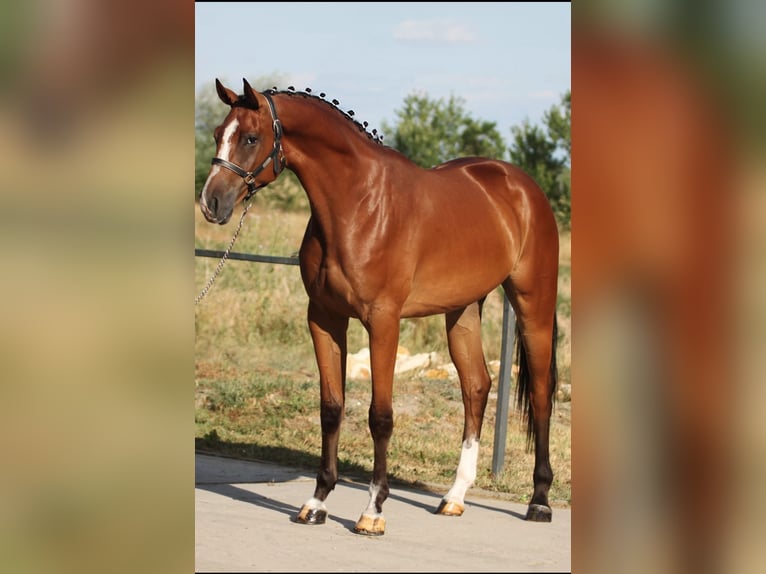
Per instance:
x=250, y=140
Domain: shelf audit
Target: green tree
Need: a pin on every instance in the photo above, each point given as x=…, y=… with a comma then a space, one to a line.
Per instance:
x=431, y=132
x=558, y=120
x=285, y=193
x=545, y=153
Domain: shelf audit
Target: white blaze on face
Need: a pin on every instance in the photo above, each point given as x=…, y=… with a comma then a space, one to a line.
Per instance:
x=227, y=145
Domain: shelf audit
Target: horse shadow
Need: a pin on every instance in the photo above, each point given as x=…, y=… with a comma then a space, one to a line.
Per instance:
x=431, y=508
x=291, y=511
x=508, y=511
x=352, y=476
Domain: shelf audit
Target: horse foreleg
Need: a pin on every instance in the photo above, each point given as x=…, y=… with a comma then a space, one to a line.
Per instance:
x=328, y=333
x=464, y=340
x=384, y=339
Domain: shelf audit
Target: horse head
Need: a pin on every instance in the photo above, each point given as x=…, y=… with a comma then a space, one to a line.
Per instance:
x=248, y=140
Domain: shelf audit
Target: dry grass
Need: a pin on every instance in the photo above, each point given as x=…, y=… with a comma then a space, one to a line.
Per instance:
x=256, y=379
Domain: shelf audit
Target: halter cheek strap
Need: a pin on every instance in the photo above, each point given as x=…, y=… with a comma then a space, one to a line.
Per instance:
x=276, y=157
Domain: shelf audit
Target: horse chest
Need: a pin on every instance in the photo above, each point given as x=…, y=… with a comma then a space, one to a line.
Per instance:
x=328, y=284
x=346, y=278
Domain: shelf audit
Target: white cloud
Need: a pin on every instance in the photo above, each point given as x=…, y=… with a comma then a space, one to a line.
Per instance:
x=436, y=31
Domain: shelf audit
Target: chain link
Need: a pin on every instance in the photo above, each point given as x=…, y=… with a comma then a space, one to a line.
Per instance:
x=223, y=259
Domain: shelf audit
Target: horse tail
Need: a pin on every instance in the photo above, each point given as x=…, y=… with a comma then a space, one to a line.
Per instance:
x=524, y=380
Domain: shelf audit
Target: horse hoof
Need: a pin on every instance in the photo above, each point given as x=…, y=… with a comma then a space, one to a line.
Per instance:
x=311, y=516
x=370, y=526
x=539, y=513
x=449, y=508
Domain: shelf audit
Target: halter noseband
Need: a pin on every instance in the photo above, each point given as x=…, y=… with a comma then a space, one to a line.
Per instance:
x=276, y=156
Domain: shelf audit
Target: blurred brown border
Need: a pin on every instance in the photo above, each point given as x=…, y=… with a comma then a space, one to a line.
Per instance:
x=665, y=224
x=96, y=235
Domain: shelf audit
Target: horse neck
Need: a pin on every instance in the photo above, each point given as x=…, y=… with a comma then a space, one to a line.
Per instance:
x=327, y=152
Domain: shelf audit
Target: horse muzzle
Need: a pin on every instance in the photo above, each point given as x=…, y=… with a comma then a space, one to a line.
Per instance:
x=215, y=212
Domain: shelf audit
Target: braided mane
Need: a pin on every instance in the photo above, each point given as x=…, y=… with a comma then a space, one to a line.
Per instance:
x=307, y=93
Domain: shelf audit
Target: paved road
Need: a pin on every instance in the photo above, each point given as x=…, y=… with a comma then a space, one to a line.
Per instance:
x=245, y=512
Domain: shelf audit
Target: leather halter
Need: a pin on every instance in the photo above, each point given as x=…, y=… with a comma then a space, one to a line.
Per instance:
x=277, y=157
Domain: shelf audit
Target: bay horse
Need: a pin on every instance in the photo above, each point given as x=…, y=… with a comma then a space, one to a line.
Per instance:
x=388, y=240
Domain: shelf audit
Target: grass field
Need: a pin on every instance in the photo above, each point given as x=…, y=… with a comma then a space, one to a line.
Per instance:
x=256, y=381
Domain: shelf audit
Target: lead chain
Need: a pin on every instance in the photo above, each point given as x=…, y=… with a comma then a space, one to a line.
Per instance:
x=223, y=259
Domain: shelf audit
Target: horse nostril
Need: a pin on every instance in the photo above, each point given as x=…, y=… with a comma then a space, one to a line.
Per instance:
x=213, y=204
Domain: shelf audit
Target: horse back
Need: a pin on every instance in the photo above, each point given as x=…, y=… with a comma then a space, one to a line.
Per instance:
x=490, y=190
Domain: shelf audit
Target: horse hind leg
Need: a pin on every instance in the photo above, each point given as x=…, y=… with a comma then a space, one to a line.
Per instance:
x=537, y=386
x=536, y=357
x=464, y=341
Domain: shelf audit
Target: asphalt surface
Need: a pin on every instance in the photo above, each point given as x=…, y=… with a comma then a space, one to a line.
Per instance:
x=245, y=515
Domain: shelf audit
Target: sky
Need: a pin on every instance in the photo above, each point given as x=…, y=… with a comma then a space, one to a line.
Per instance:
x=507, y=61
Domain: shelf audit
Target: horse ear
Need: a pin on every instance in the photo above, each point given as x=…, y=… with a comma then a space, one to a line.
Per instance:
x=227, y=96
x=250, y=96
